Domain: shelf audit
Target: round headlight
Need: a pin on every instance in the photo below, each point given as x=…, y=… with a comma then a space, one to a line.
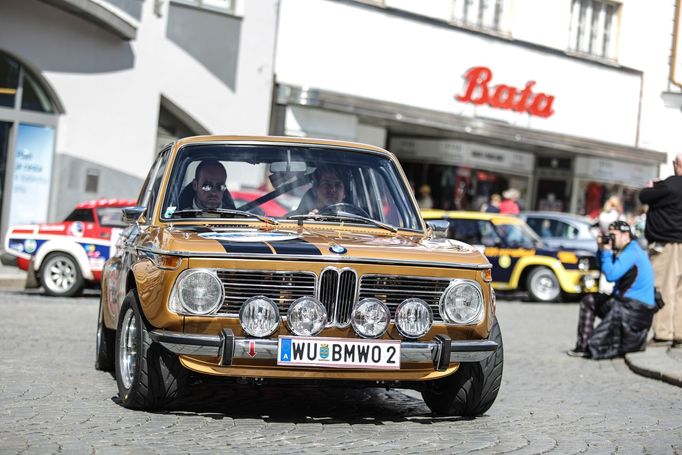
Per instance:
x=462, y=302
x=259, y=316
x=413, y=317
x=584, y=264
x=306, y=316
x=199, y=291
x=370, y=318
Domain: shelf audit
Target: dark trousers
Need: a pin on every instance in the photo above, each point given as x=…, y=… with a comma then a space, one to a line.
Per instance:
x=591, y=306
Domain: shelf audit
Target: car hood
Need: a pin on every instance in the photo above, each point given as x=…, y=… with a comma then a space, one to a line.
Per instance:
x=311, y=243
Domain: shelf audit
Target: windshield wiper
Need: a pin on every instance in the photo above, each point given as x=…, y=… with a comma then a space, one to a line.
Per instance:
x=190, y=212
x=318, y=217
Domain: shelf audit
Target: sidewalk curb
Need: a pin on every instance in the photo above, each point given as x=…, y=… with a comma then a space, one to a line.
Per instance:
x=655, y=363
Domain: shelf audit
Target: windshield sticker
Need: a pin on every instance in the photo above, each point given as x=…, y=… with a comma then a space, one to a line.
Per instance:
x=169, y=211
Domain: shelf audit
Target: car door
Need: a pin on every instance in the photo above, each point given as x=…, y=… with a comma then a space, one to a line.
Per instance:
x=117, y=267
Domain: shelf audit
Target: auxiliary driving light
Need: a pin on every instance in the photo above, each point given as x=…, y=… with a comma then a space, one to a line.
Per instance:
x=306, y=316
x=462, y=302
x=259, y=316
x=413, y=317
x=370, y=318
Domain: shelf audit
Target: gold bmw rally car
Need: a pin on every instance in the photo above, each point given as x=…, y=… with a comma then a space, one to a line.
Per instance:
x=349, y=286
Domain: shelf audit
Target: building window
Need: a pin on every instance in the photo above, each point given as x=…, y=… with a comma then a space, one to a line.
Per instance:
x=483, y=14
x=594, y=27
x=91, y=180
x=217, y=5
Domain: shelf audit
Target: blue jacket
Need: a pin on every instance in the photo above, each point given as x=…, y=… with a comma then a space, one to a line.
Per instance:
x=632, y=272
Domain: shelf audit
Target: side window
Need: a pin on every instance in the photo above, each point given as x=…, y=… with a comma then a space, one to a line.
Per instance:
x=489, y=236
x=535, y=224
x=155, y=185
x=84, y=215
x=571, y=232
x=466, y=231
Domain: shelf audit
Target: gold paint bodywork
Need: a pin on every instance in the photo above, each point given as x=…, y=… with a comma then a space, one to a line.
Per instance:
x=370, y=250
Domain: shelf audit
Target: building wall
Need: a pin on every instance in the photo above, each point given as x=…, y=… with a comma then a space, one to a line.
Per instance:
x=393, y=57
x=111, y=88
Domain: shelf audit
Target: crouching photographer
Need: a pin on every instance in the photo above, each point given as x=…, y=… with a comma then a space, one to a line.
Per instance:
x=627, y=312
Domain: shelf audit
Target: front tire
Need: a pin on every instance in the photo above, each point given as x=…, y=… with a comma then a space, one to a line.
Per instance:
x=472, y=390
x=543, y=285
x=61, y=276
x=148, y=376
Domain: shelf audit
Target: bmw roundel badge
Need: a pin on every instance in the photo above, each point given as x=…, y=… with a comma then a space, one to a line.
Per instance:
x=338, y=249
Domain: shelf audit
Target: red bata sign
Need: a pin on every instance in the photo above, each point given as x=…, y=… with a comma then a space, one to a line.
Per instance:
x=502, y=96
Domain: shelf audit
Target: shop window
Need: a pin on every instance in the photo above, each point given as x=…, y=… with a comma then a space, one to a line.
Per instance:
x=483, y=14
x=594, y=27
x=9, y=80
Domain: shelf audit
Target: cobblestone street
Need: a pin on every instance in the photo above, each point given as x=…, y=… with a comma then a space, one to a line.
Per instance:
x=53, y=400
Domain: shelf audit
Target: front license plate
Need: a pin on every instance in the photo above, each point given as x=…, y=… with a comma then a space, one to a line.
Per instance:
x=338, y=353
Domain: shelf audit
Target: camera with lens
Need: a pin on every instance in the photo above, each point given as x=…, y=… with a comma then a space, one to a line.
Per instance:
x=605, y=240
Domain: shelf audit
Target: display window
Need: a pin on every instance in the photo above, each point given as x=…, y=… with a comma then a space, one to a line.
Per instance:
x=459, y=187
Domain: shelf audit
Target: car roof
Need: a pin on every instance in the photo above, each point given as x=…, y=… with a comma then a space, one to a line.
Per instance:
x=96, y=203
x=558, y=215
x=471, y=215
x=280, y=139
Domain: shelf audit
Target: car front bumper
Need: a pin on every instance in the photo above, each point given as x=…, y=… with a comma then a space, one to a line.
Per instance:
x=439, y=353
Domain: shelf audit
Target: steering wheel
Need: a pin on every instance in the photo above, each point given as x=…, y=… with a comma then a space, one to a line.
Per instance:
x=341, y=208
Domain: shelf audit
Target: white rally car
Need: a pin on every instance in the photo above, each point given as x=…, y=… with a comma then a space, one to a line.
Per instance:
x=65, y=257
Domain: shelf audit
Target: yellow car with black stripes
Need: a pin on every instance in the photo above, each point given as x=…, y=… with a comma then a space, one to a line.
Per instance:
x=520, y=260
x=349, y=287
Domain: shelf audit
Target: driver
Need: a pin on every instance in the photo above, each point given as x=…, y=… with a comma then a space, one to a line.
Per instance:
x=209, y=185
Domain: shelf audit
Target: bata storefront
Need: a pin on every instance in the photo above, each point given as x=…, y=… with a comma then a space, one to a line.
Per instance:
x=463, y=161
x=480, y=115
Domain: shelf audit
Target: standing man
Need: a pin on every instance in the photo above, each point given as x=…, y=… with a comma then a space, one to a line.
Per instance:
x=664, y=233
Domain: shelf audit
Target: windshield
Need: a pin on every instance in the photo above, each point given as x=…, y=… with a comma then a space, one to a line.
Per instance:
x=303, y=183
x=517, y=235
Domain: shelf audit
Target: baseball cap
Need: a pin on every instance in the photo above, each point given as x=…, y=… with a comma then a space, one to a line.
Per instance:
x=621, y=226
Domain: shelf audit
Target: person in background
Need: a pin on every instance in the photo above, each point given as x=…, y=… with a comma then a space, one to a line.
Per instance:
x=663, y=231
x=612, y=211
x=425, y=201
x=627, y=312
x=510, y=202
x=494, y=205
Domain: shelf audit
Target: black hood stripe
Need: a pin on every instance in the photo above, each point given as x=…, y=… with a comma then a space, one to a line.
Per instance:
x=246, y=247
x=295, y=246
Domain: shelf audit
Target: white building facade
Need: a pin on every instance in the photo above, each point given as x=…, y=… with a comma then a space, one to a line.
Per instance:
x=90, y=90
x=561, y=100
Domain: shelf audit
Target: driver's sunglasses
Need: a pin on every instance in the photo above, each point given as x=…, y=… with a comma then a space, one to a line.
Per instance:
x=207, y=186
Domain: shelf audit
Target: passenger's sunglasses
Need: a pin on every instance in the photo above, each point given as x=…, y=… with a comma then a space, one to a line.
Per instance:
x=213, y=187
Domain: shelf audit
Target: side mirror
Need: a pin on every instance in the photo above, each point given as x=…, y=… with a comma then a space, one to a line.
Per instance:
x=439, y=228
x=132, y=214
